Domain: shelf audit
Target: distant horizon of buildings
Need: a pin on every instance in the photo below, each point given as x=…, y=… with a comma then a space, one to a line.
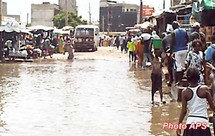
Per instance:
x=116, y=16
x=46, y=9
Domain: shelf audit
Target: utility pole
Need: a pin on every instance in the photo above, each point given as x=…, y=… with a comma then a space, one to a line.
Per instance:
x=108, y=20
x=164, y=4
x=172, y=3
x=109, y=16
x=141, y=12
x=1, y=35
x=66, y=16
x=0, y=12
x=103, y=24
x=27, y=19
x=90, y=15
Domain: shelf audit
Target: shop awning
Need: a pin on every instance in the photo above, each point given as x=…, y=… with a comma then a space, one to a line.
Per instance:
x=9, y=29
x=40, y=27
x=208, y=4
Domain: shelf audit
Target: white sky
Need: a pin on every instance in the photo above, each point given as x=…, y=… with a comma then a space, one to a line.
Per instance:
x=23, y=7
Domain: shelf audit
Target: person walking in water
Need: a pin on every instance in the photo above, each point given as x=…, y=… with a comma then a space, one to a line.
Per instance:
x=139, y=49
x=178, y=46
x=131, y=49
x=122, y=43
x=195, y=98
x=156, y=75
x=195, y=58
x=147, y=54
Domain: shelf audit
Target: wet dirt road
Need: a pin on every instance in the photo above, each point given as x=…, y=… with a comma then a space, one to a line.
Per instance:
x=97, y=94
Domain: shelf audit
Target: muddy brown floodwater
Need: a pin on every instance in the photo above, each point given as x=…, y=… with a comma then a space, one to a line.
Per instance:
x=97, y=94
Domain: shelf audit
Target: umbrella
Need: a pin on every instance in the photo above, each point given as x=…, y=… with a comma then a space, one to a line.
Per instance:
x=137, y=26
x=67, y=28
x=9, y=29
x=60, y=31
x=134, y=30
x=26, y=31
x=146, y=36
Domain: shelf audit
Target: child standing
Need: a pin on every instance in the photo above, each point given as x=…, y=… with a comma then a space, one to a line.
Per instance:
x=195, y=58
x=156, y=75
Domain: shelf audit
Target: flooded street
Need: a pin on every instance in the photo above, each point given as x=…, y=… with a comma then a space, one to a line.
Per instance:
x=95, y=95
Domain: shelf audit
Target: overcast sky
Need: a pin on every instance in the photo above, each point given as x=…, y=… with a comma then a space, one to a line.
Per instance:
x=23, y=7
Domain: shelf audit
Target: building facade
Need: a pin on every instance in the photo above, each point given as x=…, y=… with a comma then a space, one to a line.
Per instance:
x=42, y=14
x=116, y=17
x=175, y=2
x=4, y=8
x=178, y=2
x=70, y=5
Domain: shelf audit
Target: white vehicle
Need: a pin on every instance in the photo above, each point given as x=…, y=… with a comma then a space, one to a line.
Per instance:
x=86, y=37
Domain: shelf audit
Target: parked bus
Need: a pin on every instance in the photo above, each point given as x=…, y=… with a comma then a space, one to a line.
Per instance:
x=86, y=38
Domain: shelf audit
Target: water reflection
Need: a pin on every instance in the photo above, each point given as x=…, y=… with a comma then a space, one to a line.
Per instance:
x=166, y=113
x=83, y=97
x=161, y=114
x=86, y=97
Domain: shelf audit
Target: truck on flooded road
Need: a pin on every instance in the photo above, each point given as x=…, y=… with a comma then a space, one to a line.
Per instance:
x=86, y=38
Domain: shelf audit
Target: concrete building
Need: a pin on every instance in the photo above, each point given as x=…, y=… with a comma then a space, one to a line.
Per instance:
x=175, y=2
x=71, y=5
x=10, y=20
x=42, y=14
x=4, y=8
x=115, y=17
x=178, y=2
x=16, y=17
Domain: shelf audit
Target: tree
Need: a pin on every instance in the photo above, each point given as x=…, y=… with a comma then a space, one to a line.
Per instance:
x=73, y=19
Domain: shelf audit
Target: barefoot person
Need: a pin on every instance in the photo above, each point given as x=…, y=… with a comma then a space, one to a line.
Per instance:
x=156, y=75
x=195, y=98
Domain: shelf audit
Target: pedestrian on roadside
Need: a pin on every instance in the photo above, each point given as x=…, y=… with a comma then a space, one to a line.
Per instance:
x=134, y=40
x=197, y=34
x=147, y=42
x=178, y=47
x=126, y=42
x=210, y=50
x=156, y=75
x=195, y=98
x=122, y=43
x=169, y=61
x=195, y=58
x=55, y=41
x=209, y=59
x=131, y=49
x=139, y=48
x=61, y=44
x=117, y=42
x=210, y=66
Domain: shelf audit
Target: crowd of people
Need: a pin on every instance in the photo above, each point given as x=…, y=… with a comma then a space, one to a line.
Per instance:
x=186, y=56
x=38, y=45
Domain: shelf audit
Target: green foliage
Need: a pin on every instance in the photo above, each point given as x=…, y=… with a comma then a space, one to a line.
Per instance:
x=73, y=20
